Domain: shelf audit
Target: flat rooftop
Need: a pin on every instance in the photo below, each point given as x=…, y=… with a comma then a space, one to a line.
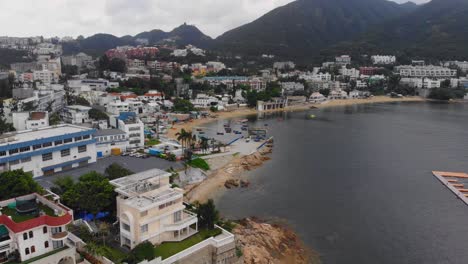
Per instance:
x=139, y=183
x=41, y=133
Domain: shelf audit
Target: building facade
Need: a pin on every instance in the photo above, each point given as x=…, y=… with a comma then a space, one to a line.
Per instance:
x=148, y=209
x=48, y=150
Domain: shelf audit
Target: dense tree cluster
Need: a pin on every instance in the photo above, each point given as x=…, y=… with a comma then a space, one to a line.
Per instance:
x=17, y=183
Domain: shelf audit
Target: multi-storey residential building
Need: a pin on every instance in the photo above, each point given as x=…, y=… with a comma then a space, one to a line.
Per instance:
x=368, y=70
x=110, y=142
x=426, y=71
x=352, y=73
x=35, y=227
x=45, y=151
x=45, y=76
x=133, y=127
x=343, y=60
x=150, y=210
x=80, y=60
x=30, y=120
x=20, y=67
x=93, y=84
x=383, y=59
x=284, y=65
x=76, y=114
x=291, y=87
x=116, y=107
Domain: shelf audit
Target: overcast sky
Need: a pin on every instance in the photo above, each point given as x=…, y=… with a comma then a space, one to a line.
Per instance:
x=123, y=17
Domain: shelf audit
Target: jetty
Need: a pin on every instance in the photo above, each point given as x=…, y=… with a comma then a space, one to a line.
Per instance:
x=455, y=182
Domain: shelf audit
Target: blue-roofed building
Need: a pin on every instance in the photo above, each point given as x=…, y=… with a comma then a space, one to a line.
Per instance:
x=47, y=150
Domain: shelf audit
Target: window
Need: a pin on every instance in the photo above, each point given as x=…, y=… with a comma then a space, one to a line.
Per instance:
x=57, y=244
x=78, y=138
x=68, y=140
x=47, y=144
x=31, y=234
x=25, y=236
x=14, y=162
x=86, y=137
x=81, y=149
x=58, y=142
x=26, y=160
x=46, y=244
x=2, y=153
x=37, y=147
x=177, y=216
x=125, y=227
x=24, y=149
x=44, y=229
x=144, y=228
x=65, y=152
x=46, y=156
x=33, y=249
x=13, y=151
x=26, y=251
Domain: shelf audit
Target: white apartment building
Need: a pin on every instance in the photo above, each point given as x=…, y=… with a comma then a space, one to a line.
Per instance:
x=110, y=142
x=316, y=77
x=133, y=127
x=30, y=120
x=361, y=84
x=343, y=60
x=148, y=209
x=48, y=150
x=42, y=233
x=215, y=66
x=426, y=71
x=116, y=107
x=80, y=60
x=291, y=87
x=383, y=59
x=135, y=63
x=46, y=76
x=94, y=84
x=76, y=114
x=283, y=65
x=352, y=73
x=422, y=83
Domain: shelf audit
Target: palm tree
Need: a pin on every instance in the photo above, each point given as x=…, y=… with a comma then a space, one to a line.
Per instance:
x=182, y=137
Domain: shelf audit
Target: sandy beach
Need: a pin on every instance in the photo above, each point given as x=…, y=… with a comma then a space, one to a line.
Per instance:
x=242, y=112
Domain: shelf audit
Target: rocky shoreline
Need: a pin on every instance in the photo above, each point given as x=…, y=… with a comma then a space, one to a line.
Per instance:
x=271, y=243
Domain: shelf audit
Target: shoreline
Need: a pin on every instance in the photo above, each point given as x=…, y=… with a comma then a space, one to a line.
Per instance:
x=253, y=233
x=244, y=111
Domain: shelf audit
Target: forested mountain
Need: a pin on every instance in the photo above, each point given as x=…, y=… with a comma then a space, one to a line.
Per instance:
x=305, y=26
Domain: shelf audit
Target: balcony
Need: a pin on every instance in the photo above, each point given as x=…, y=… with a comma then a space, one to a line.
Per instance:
x=59, y=236
x=187, y=220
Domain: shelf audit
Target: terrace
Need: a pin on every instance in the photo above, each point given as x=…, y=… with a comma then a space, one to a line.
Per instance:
x=18, y=216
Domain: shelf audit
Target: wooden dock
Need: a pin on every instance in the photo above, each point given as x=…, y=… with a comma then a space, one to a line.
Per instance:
x=450, y=180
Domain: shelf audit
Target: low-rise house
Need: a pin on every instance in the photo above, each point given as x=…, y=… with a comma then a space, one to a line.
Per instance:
x=204, y=101
x=30, y=120
x=35, y=228
x=317, y=97
x=76, y=114
x=337, y=95
x=273, y=104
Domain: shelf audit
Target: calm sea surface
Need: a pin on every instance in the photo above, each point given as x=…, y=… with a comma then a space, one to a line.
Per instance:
x=356, y=182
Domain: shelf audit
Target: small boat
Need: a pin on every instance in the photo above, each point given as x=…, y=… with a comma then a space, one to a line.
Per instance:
x=311, y=117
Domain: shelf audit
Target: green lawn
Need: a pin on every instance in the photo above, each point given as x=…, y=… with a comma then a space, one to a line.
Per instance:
x=21, y=218
x=168, y=249
x=199, y=163
x=152, y=142
x=114, y=254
